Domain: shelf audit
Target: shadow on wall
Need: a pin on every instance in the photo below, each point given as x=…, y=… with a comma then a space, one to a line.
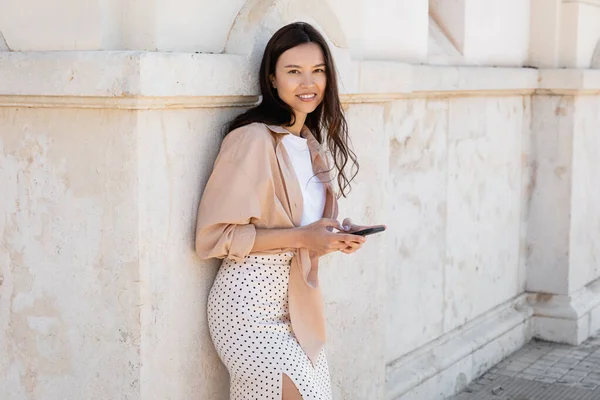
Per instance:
x=596, y=57
x=3, y=44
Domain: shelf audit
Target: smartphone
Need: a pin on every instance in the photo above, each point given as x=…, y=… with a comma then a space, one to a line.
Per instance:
x=369, y=231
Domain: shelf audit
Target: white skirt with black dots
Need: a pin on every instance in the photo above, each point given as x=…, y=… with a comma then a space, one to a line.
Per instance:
x=249, y=324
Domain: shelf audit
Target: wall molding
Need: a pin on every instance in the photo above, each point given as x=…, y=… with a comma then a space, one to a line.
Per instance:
x=595, y=3
x=127, y=103
x=150, y=80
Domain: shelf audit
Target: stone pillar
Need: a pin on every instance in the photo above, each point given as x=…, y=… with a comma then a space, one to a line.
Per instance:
x=563, y=251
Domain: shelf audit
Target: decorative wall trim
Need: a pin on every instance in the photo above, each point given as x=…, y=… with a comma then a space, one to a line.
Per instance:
x=146, y=80
x=127, y=103
x=595, y=3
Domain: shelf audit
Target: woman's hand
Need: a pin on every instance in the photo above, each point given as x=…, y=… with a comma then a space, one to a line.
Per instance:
x=349, y=227
x=320, y=240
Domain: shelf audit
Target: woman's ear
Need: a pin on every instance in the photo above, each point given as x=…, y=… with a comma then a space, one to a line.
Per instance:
x=272, y=80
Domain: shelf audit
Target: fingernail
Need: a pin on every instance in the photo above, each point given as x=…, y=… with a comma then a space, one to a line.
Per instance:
x=346, y=227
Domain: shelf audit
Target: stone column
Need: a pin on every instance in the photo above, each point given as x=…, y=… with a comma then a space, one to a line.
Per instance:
x=563, y=250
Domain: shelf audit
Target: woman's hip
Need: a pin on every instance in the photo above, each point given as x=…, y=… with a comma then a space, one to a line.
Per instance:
x=253, y=291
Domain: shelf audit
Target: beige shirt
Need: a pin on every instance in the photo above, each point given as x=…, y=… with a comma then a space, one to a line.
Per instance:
x=253, y=185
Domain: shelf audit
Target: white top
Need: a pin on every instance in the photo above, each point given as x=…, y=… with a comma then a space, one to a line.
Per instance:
x=313, y=190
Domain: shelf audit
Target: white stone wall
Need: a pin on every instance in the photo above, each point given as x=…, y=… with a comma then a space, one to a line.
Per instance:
x=69, y=316
x=486, y=175
x=455, y=215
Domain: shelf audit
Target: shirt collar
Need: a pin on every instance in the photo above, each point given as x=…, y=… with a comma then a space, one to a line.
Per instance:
x=315, y=149
x=313, y=144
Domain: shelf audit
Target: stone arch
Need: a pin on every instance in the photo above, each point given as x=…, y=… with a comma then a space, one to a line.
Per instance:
x=259, y=19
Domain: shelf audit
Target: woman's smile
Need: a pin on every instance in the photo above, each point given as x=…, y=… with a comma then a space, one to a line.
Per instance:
x=307, y=97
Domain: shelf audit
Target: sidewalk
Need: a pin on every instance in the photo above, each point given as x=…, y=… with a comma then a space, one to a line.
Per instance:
x=542, y=371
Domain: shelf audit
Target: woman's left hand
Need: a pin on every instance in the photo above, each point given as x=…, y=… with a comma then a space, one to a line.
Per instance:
x=349, y=227
x=351, y=247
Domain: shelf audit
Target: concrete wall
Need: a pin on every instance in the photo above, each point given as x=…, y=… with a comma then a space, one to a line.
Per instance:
x=485, y=176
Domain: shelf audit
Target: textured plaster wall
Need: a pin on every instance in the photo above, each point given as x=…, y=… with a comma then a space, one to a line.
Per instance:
x=176, y=151
x=455, y=213
x=563, y=251
x=353, y=289
x=69, y=303
x=548, y=238
x=585, y=203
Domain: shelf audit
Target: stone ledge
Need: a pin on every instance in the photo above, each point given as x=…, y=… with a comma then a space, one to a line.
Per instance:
x=141, y=80
x=569, y=81
x=434, y=368
x=447, y=80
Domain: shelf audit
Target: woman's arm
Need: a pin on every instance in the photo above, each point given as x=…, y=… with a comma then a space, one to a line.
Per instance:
x=316, y=237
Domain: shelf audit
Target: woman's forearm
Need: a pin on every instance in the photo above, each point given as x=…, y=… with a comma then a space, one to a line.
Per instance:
x=272, y=239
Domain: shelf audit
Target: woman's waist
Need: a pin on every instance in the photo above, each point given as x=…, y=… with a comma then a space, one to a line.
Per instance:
x=271, y=258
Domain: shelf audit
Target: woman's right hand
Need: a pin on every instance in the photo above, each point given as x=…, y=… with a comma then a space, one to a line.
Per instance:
x=319, y=239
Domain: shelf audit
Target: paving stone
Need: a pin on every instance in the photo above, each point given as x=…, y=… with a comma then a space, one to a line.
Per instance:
x=579, y=354
x=582, y=368
x=517, y=367
x=542, y=371
x=544, y=379
x=571, y=378
x=588, y=364
x=575, y=372
x=594, y=359
x=566, y=383
x=552, y=375
x=594, y=375
x=534, y=371
x=591, y=381
x=566, y=364
x=583, y=385
x=507, y=373
x=527, y=376
x=542, y=365
x=560, y=352
x=557, y=370
x=527, y=359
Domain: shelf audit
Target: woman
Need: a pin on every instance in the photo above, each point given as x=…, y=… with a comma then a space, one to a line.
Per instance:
x=269, y=210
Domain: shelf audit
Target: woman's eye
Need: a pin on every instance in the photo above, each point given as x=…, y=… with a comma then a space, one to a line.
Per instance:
x=293, y=71
x=320, y=70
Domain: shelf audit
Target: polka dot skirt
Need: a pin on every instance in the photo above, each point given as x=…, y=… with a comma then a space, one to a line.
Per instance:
x=249, y=324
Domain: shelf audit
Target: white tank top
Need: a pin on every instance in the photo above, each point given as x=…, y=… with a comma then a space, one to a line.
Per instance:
x=313, y=190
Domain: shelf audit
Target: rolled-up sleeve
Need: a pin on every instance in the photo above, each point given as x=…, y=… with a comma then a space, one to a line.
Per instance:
x=228, y=206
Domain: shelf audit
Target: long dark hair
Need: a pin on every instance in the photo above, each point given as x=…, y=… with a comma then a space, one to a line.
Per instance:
x=327, y=117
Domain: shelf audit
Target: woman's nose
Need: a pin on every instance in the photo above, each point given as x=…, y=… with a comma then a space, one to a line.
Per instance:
x=307, y=80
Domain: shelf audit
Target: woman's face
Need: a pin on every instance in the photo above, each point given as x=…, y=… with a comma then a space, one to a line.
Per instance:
x=300, y=78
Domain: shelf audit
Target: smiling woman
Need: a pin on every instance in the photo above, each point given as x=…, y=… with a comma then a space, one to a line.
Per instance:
x=299, y=51
x=269, y=210
x=300, y=80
